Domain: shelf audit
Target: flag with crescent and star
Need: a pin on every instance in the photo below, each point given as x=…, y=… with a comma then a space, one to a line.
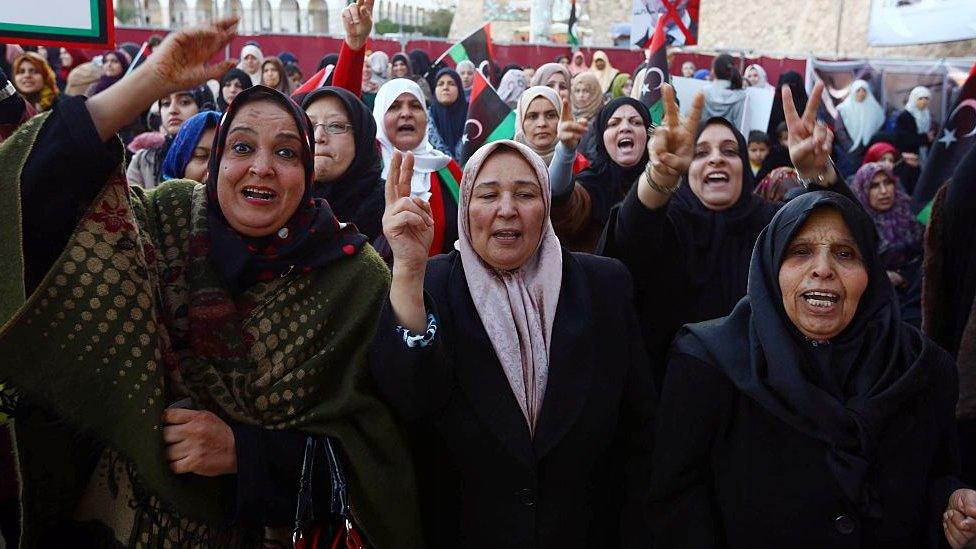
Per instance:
x=489, y=118
x=656, y=75
x=956, y=137
x=475, y=47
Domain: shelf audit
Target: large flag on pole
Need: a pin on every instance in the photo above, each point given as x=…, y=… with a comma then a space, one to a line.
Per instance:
x=476, y=47
x=572, y=32
x=656, y=74
x=956, y=137
x=489, y=118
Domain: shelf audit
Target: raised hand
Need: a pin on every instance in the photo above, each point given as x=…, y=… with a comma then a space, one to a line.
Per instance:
x=408, y=222
x=180, y=61
x=959, y=519
x=408, y=225
x=672, y=146
x=357, y=18
x=570, y=131
x=810, y=141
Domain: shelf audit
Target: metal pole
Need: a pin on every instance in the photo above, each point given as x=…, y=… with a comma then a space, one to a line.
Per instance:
x=840, y=18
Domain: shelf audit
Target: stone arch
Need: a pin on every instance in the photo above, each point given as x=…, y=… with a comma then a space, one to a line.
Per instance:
x=318, y=16
x=153, y=14
x=290, y=16
x=179, y=13
x=205, y=11
x=261, y=15
x=232, y=8
x=127, y=12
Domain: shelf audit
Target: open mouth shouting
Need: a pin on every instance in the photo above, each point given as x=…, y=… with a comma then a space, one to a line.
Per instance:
x=626, y=145
x=717, y=178
x=821, y=301
x=406, y=129
x=259, y=195
x=506, y=236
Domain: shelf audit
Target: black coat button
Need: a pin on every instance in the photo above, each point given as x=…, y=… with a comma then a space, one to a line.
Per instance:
x=844, y=524
x=527, y=497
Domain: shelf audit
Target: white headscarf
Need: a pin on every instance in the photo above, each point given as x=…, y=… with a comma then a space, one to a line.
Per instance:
x=923, y=117
x=466, y=64
x=379, y=66
x=251, y=49
x=862, y=119
x=763, y=79
x=608, y=73
x=427, y=159
x=523, y=104
x=511, y=87
x=517, y=308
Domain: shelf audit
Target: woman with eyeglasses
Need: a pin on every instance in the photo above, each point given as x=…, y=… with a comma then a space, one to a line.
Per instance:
x=347, y=162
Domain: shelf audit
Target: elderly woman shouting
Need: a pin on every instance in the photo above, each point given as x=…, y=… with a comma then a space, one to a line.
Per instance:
x=174, y=350
x=519, y=364
x=812, y=415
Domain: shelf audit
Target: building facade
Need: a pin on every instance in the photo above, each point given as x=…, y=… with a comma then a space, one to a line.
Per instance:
x=269, y=16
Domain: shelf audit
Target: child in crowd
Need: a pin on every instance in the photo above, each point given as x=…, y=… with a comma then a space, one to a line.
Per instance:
x=758, y=149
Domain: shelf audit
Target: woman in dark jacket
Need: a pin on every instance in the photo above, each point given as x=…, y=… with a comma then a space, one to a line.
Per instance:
x=520, y=366
x=347, y=162
x=811, y=416
x=697, y=243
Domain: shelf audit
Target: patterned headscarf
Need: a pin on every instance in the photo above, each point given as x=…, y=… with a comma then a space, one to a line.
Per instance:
x=898, y=228
x=311, y=238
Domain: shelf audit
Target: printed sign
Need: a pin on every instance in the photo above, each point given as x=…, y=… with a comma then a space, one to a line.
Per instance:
x=84, y=23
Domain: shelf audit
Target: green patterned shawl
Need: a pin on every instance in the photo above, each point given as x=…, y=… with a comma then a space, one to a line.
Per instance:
x=132, y=317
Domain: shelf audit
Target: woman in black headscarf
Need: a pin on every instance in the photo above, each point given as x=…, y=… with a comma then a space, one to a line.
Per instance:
x=231, y=84
x=811, y=416
x=401, y=66
x=617, y=155
x=698, y=242
x=347, y=162
x=448, y=112
x=797, y=87
x=422, y=66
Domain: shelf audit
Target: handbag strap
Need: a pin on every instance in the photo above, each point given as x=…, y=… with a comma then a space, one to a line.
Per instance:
x=305, y=510
x=339, y=505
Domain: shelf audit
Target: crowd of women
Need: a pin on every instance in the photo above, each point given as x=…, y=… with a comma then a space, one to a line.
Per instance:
x=240, y=309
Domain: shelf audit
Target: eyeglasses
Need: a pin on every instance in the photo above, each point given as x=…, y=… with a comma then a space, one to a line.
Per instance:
x=333, y=128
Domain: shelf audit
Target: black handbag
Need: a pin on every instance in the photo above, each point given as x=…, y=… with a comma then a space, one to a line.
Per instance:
x=336, y=531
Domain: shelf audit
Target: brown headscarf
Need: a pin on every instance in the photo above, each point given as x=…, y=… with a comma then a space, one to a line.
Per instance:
x=518, y=307
x=591, y=108
x=523, y=104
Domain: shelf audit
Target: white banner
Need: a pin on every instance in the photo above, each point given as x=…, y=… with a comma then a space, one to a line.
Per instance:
x=903, y=22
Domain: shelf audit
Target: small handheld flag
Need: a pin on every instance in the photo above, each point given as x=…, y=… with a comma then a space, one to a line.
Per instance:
x=656, y=74
x=489, y=118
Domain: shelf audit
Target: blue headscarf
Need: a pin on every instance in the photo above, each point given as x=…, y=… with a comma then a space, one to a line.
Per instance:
x=449, y=119
x=181, y=151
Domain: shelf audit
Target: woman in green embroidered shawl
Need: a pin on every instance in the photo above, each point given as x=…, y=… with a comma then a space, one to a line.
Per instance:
x=243, y=301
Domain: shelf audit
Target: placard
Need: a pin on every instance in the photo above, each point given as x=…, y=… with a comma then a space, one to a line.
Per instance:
x=84, y=23
x=904, y=22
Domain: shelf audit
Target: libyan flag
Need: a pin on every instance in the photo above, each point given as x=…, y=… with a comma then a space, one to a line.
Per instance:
x=956, y=137
x=571, y=31
x=476, y=47
x=656, y=74
x=489, y=118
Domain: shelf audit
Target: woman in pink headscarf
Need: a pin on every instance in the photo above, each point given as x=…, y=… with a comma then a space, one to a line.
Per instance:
x=523, y=360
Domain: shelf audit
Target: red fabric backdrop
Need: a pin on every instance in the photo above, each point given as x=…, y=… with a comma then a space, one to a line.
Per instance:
x=310, y=49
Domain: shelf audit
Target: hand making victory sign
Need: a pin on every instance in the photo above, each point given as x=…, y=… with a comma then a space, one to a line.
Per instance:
x=810, y=141
x=671, y=149
x=408, y=225
x=357, y=18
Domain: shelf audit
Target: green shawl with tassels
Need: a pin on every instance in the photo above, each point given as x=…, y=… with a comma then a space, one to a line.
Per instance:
x=132, y=317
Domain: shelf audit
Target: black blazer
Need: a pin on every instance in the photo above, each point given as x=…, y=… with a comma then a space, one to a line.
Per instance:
x=484, y=481
x=729, y=474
